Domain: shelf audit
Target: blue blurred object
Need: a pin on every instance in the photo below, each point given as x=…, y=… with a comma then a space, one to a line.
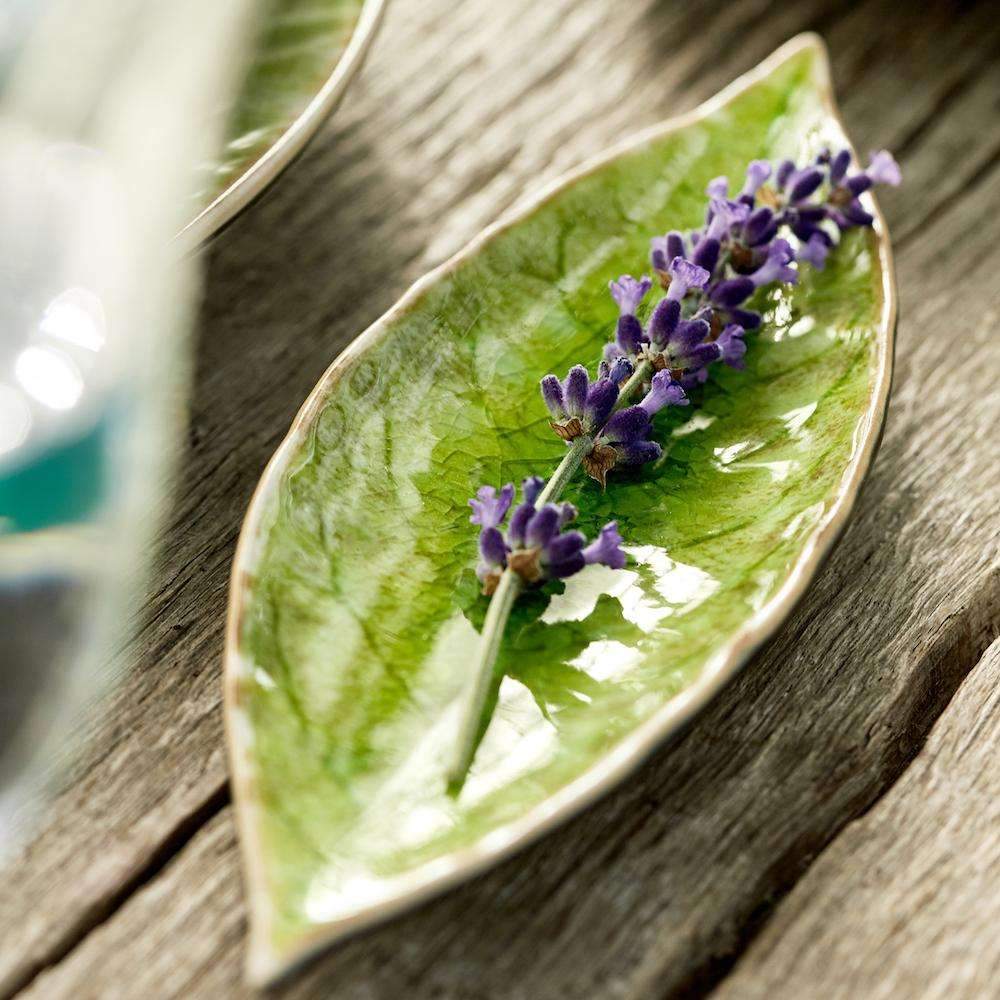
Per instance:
x=107, y=110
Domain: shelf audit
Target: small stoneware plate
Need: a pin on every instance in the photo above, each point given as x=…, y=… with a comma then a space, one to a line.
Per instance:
x=306, y=54
x=354, y=609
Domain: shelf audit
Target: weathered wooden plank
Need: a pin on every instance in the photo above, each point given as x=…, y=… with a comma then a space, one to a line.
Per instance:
x=906, y=901
x=456, y=114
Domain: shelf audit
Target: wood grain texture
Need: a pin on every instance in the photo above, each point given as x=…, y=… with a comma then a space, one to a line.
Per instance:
x=462, y=108
x=906, y=901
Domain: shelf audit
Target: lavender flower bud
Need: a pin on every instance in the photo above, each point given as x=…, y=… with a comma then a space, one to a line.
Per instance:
x=732, y=291
x=628, y=334
x=575, y=390
x=760, y=227
x=567, y=513
x=839, y=165
x=664, y=321
x=804, y=182
x=785, y=170
x=531, y=487
x=619, y=370
x=601, y=398
x=706, y=253
x=492, y=547
x=725, y=215
x=552, y=394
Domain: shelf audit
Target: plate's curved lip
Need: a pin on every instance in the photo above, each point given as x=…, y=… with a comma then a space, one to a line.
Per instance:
x=264, y=964
x=266, y=168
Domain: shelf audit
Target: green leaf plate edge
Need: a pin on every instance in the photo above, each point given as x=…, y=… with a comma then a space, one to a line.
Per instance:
x=292, y=85
x=277, y=752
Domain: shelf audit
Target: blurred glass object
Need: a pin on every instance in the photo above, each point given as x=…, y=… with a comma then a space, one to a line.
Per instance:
x=108, y=108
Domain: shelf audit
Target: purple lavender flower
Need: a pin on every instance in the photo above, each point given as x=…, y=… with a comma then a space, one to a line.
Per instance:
x=577, y=405
x=839, y=165
x=758, y=171
x=845, y=208
x=702, y=318
x=776, y=266
x=624, y=439
x=663, y=391
x=708, y=278
x=629, y=293
x=718, y=187
x=607, y=549
x=536, y=544
x=490, y=508
x=760, y=227
x=684, y=275
x=815, y=250
x=689, y=352
x=724, y=215
x=883, y=169
x=531, y=488
x=732, y=346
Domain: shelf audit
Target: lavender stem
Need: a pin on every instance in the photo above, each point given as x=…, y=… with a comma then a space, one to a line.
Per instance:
x=502, y=603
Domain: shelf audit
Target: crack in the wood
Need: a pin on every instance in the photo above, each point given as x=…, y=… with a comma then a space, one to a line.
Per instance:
x=103, y=909
x=965, y=637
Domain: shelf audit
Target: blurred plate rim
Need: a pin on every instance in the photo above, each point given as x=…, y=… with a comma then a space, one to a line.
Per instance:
x=267, y=167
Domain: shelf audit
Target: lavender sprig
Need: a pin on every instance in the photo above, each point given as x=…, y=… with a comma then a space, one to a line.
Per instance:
x=708, y=276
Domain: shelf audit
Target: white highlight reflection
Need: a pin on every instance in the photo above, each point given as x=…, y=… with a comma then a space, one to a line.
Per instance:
x=49, y=376
x=795, y=419
x=698, y=422
x=520, y=739
x=77, y=317
x=680, y=586
x=608, y=660
x=585, y=589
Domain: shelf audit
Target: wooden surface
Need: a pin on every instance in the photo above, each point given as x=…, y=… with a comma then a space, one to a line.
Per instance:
x=829, y=826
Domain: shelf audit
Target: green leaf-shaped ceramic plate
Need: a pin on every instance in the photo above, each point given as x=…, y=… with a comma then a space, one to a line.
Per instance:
x=354, y=612
x=306, y=53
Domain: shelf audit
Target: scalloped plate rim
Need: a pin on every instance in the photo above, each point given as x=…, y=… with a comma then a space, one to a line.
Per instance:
x=257, y=177
x=263, y=964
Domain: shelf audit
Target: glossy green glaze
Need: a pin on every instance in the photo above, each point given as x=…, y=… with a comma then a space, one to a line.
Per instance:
x=299, y=44
x=360, y=612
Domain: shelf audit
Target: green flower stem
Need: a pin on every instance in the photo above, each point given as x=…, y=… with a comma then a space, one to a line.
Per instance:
x=565, y=470
x=499, y=610
x=642, y=372
x=502, y=603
